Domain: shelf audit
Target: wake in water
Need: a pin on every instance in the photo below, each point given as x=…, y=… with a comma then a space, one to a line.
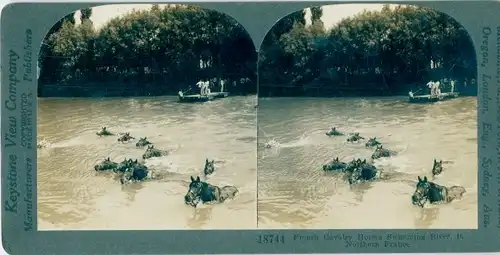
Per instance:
x=302, y=141
x=43, y=144
x=272, y=144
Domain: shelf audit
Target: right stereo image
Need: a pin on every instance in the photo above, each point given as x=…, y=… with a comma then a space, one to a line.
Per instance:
x=367, y=120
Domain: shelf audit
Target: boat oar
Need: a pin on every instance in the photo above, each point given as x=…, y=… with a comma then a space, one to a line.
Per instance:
x=265, y=135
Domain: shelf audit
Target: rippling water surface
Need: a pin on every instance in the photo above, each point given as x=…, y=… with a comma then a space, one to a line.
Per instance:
x=71, y=195
x=294, y=193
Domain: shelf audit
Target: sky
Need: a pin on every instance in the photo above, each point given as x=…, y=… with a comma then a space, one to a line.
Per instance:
x=332, y=14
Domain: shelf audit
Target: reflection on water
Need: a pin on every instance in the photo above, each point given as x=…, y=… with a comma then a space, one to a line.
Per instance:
x=71, y=195
x=295, y=193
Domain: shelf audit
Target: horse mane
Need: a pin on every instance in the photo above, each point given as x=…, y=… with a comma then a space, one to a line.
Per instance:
x=439, y=188
x=434, y=185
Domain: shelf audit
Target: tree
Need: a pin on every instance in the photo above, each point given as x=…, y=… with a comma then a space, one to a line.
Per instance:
x=48, y=61
x=85, y=14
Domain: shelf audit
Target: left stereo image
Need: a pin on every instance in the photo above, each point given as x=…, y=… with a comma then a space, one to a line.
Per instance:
x=146, y=120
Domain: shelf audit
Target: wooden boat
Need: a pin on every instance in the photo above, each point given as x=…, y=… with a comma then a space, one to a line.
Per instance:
x=432, y=98
x=197, y=98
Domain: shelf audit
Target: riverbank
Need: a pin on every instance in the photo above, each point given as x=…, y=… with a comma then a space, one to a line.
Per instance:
x=91, y=90
x=271, y=90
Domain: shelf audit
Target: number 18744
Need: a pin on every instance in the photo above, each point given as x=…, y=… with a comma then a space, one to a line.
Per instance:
x=271, y=239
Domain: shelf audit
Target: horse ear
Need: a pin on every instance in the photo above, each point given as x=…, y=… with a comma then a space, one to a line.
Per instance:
x=435, y=161
x=337, y=159
x=192, y=179
x=213, y=161
x=197, y=178
x=440, y=161
x=425, y=178
x=419, y=179
x=206, y=160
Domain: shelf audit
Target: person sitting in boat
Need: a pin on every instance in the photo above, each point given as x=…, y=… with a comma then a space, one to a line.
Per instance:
x=181, y=94
x=410, y=93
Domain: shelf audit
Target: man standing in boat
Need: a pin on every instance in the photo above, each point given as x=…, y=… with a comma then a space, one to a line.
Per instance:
x=206, y=87
x=434, y=87
x=431, y=86
x=222, y=82
x=200, y=84
x=437, y=89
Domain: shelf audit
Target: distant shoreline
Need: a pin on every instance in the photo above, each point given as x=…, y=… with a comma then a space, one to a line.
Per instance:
x=98, y=90
x=342, y=92
x=133, y=96
x=351, y=95
x=123, y=97
x=348, y=97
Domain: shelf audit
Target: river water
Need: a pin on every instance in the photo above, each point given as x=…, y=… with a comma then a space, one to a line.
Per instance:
x=294, y=193
x=71, y=195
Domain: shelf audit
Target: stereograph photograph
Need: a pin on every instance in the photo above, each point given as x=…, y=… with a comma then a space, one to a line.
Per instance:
x=367, y=120
x=146, y=120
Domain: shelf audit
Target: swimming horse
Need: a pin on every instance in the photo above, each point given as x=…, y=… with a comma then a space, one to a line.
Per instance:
x=437, y=167
x=431, y=192
x=209, y=167
x=202, y=192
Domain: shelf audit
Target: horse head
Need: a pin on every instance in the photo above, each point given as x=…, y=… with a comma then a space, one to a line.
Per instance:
x=193, y=195
x=421, y=193
x=209, y=166
x=437, y=167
